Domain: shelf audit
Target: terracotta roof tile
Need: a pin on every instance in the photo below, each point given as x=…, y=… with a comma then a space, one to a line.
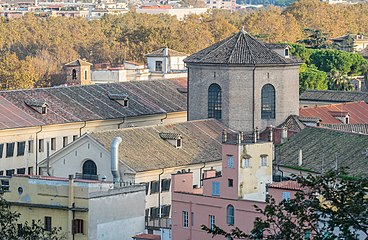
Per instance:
x=292, y=185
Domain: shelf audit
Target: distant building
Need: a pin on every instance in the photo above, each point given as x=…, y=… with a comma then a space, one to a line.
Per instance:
x=243, y=82
x=351, y=42
x=78, y=72
x=180, y=13
x=228, y=200
x=84, y=209
x=310, y=98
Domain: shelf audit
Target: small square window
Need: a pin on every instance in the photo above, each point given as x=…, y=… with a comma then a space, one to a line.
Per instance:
x=230, y=182
x=75, y=137
x=286, y=196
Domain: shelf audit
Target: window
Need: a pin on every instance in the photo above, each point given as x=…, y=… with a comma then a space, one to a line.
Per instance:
x=264, y=160
x=230, y=161
x=19, y=228
x=245, y=163
x=1, y=150
x=85, y=74
x=147, y=187
x=65, y=141
x=47, y=223
x=53, y=143
x=230, y=182
x=75, y=137
x=185, y=219
x=286, y=52
x=215, y=188
x=77, y=225
x=155, y=187
x=1, y=172
x=21, y=171
x=214, y=101
x=230, y=215
x=40, y=145
x=10, y=149
x=178, y=143
x=155, y=212
x=30, y=170
x=286, y=196
x=4, y=185
x=212, y=222
x=43, y=109
x=74, y=74
x=30, y=146
x=158, y=66
x=165, y=211
x=192, y=219
x=268, y=102
x=89, y=167
x=165, y=185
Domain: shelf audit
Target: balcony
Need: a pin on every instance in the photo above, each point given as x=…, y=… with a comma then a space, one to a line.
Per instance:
x=157, y=223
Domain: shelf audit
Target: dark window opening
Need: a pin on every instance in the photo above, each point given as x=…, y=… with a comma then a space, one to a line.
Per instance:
x=165, y=211
x=214, y=101
x=268, y=102
x=1, y=150
x=286, y=52
x=178, y=143
x=165, y=185
x=158, y=66
x=77, y=225
x=21, y=171
x=89, y=168
x=147, y=187
x=53, y=143
x=19, y=226
x=10, y=149
x=155, y=187
x=40, y=145
x=20, y=148
x=43, y=110
x=85, y=74
x=74, y=74
x=231, y=182
x=30, y=146
x=65, y=141
x=230, y=215
x=48, y=225
x=155, y=213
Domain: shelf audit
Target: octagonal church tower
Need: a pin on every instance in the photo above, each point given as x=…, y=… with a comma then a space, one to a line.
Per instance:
x=243, y=82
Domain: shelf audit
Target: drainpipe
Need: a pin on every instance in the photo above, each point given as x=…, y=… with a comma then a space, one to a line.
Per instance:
x=162, y=120
x=159, y=195
x=114, y=154
x=48, y=159
x=200, y=174
x=119, y=124
x=80, y=129
x=70, y=206
x=37, y=149
x=253, y=100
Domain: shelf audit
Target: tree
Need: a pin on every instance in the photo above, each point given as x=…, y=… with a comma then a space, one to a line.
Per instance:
x=330, y=206
x=9, y=229
x=338, y=81
x=315, y=38
x=311, y=78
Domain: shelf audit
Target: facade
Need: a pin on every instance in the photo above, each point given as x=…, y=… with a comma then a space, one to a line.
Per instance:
x=38, y=122
x=179, y=13
x=243, y=83
x=75, y=206
x=227, y=201
x=146, y=155
x=351, y=42
x=78, y=72
x=165, y=60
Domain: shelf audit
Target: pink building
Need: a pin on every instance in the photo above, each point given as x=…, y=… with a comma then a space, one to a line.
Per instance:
x=228, y=200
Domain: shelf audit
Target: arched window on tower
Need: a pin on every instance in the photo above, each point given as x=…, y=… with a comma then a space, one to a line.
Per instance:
x=74, y=74
x=230, y=215
x=89, y=168
x=268, y=102
x=214, y=101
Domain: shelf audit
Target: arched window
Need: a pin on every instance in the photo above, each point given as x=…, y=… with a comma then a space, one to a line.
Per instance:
x=74, y=74
x=214, y=101
x=230, y=215
x=89, y=167
x=268, y=102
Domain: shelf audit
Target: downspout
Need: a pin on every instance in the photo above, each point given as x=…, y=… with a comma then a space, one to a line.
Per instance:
x=114, y=154
x=189, y=94
x=162, y=120
x=253, y=107
x=48, y=159
x=37, y=150
x=80, y=129
x=71, y=206
x=159, y=195
x=119, y=124
x=200, y=175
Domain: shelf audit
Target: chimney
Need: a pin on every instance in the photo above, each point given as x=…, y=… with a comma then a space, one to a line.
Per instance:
x=114, y=153
x=255, y=135
x=300, y=160
x=224, y=136
x=240, y=137
x=270, y=134
x=284, y=134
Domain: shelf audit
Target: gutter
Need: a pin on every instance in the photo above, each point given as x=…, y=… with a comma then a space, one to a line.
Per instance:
x=80, y=129
x=159, y=193
x=253, y=100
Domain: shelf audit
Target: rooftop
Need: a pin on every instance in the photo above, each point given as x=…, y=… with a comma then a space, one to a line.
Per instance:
x=241, y=48
x=333, y=96
x=78, y=62
x=357, y=111
x=89, y=102
x=324, y=149
x=143, y=149
x=161, y=53
x=291, y=185
x=354, y=128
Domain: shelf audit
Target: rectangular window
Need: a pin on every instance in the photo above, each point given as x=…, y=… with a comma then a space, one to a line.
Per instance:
x=4, y=185
x=75, y=137
x=77, y=225
x=147, y=187
x=40, y=145
x=165, y=211
x=185, y=219
x=246, y=163
x=20, y=148
x=21, y=171
x=286, y=196
x=65, y=141
x=1, y=172
x=19, y=226
x=165, y=185
x=192, y=219
x=30, y=146
x=155, y=187
x=230, y=182
x=215, y=188
x=53, y=144
x=158, y=66
x=263, y=160
x=155, y=213
x=1, y=150
x=230, y=161
x=48, y=225
x=10, y=172
x=10, y=149
x=30, y=170
x=212, y=222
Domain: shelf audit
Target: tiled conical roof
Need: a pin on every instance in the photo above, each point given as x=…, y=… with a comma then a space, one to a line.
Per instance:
x=240, y=48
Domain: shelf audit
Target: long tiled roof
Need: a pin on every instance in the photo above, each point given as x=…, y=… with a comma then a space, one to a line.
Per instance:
x=323, y=148
x=333, y=96
x=143, y=149
x=358, y=112
x=291, y=185
x=89, y=102
x=240, y=48
x=355, y=128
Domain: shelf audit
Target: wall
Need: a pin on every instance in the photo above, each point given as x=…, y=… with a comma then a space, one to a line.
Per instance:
x=109, y=76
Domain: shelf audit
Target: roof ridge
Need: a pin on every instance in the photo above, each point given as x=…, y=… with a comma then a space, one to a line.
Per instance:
x=250, y=52
x=231, y=55
x=220, y=45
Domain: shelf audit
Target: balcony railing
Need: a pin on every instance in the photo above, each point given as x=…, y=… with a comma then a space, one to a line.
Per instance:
x=157, y=223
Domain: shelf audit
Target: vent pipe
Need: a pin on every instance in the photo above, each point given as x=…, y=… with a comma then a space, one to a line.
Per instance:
x=114, y=153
